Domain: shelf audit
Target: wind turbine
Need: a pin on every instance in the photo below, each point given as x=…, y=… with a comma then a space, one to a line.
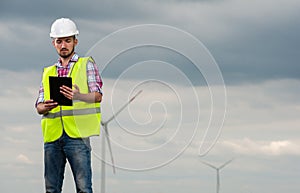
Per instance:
x=105, y=137
x=218, y=171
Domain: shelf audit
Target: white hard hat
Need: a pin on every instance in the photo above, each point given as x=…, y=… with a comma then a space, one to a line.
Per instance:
x=63, y=27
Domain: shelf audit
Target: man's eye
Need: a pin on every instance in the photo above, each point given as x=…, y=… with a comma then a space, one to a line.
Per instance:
x=58, y=41
x=68, y=40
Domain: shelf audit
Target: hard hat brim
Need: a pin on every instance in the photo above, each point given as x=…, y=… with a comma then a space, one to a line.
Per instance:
x=63, y=35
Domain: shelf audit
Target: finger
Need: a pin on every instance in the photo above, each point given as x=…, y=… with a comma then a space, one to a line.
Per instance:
x=48, y=101
x=68, y=94
x=65, y=88
x=51, y=106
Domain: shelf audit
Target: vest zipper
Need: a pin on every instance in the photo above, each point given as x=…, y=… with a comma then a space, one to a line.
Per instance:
x=61, y=119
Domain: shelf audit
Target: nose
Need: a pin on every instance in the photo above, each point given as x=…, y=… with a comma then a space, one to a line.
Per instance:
x=63, y=44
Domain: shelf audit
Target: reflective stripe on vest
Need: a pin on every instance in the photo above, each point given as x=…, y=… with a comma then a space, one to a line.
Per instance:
x=72, y=112
x=78, y=121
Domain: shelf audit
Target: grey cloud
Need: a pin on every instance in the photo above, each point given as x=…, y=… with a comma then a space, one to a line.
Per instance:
x=92, y=10
x=246, y=49
x=151, y=54
x=257, y=55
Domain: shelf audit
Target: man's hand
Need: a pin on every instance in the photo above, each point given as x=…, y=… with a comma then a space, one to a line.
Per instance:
x=72, y=94
x=46, y=106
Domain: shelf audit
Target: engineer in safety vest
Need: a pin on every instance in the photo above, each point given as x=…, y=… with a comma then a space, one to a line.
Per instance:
x=66, y=129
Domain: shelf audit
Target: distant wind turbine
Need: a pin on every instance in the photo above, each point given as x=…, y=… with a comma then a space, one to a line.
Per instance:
x=218, y=171
x=105, y=137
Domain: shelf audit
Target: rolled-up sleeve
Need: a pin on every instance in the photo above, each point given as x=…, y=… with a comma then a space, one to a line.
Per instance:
x=40, y=98
x=94, y=79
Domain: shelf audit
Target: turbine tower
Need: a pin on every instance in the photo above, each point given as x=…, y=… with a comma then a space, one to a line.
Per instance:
x=105, y=137
x=218, y=171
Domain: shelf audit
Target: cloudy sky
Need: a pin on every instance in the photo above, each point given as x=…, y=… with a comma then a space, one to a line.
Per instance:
x=220, y=80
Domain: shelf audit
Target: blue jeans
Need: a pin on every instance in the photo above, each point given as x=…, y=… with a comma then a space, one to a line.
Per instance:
x=78, y=154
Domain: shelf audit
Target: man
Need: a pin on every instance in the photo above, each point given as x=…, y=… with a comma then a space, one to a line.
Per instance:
x=66, y=129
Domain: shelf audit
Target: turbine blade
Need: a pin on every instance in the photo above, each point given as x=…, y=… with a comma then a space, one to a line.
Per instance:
x=135, y=96
x=226, y=163
x=110, y=150
x=122, y=108
x=208, y=164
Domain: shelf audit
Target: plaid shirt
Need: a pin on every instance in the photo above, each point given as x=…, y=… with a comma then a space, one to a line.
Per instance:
x=94, y=80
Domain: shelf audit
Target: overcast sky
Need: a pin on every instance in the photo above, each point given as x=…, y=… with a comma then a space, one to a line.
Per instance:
x=205, y=59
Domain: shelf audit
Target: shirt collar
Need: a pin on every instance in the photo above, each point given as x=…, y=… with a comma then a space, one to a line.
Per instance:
x=74, y=58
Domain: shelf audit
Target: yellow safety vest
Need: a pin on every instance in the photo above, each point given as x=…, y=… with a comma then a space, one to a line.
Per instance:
x=78, y=121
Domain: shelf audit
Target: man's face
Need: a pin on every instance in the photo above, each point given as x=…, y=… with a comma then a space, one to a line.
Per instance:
x=65, y=46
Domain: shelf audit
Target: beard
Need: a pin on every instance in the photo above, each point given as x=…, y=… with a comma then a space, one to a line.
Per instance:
x=67, y=55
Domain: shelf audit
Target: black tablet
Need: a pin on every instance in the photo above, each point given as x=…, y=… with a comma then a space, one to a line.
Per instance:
x=55, y=83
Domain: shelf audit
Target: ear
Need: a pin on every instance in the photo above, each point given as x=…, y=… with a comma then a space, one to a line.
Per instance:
x=75, y=41
x=53, y=41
